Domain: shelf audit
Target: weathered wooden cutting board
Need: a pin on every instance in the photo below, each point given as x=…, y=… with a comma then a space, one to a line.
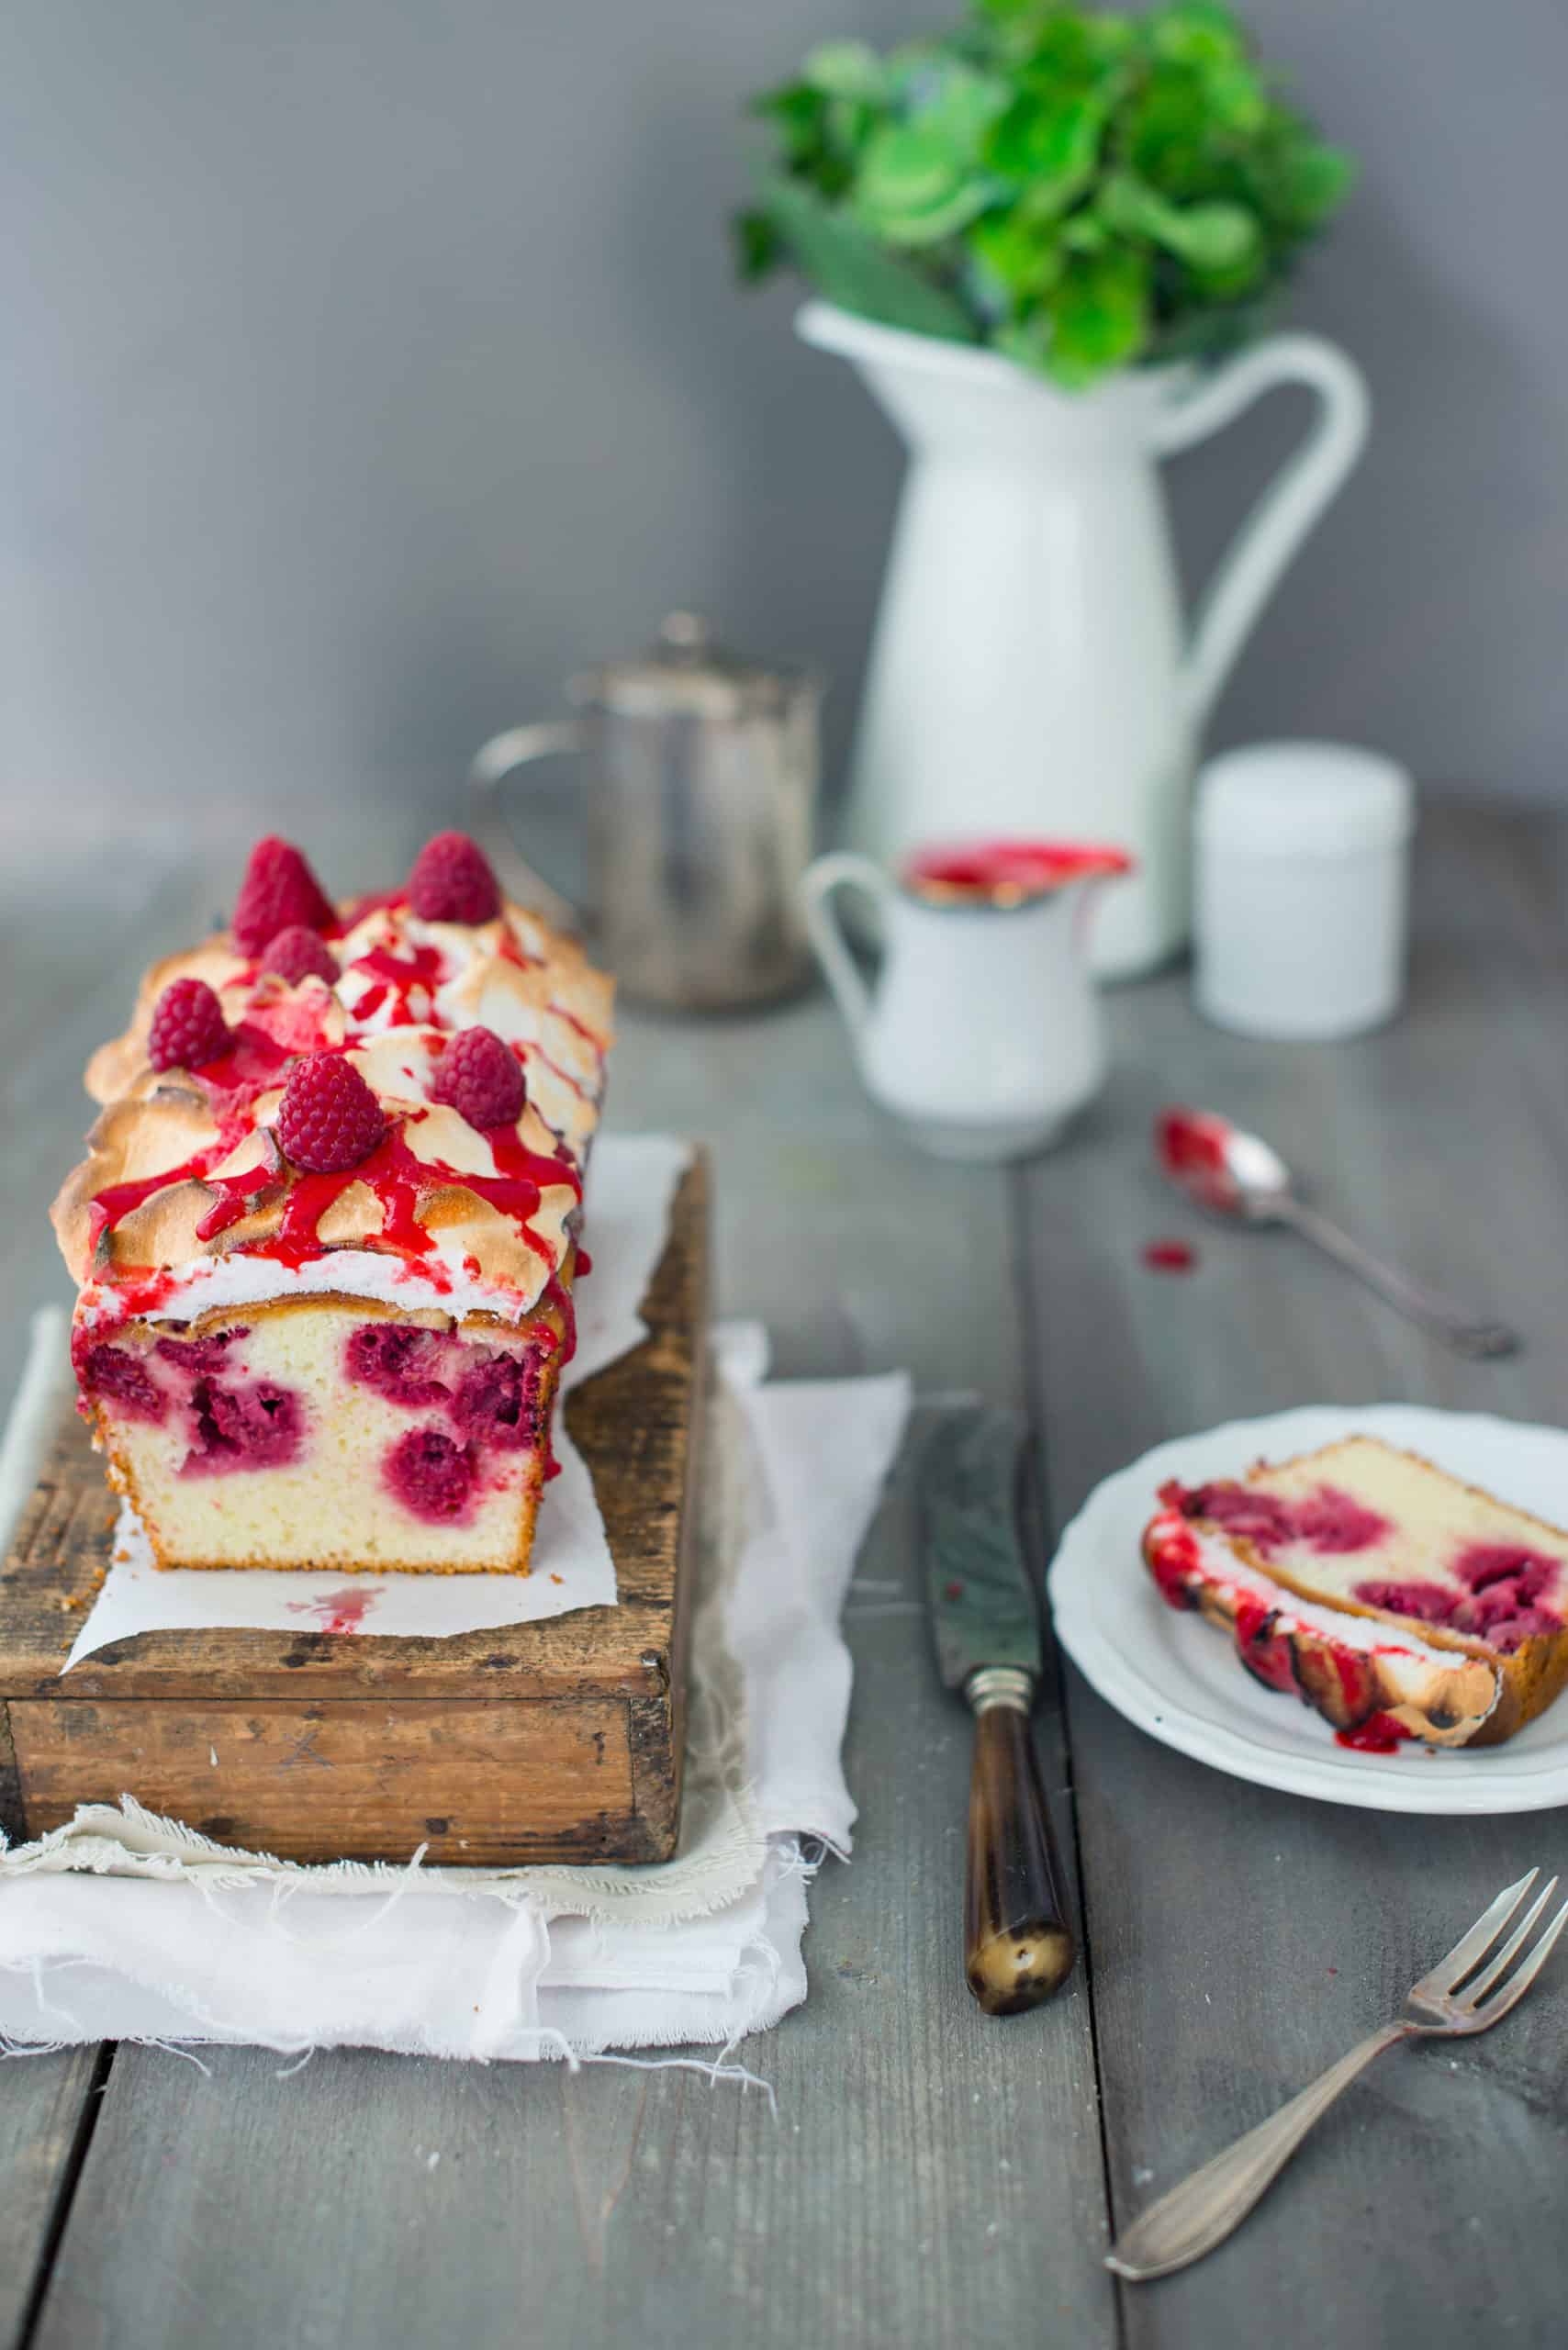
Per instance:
x=552, y=1741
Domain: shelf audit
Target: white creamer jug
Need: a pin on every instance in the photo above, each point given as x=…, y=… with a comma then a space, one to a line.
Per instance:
x=981, y=1032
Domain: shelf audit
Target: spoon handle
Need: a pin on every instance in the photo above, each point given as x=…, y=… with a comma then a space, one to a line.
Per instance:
x=1460, y=1330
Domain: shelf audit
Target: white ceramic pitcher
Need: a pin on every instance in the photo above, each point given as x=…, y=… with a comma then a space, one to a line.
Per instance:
x=982, y=1032
x=1030, y=673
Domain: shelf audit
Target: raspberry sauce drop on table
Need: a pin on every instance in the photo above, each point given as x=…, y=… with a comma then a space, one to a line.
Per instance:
x=1170, y=1256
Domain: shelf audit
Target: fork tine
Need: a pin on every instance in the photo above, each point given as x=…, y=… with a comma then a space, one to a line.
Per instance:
x=1528, y=1971
x=1473, y=1947
x=1478, y=1989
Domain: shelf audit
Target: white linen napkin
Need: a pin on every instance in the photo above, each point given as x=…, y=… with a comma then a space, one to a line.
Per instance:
x=123, y=1926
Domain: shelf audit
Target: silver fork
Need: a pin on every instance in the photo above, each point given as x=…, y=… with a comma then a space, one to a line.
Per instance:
x=1193, y=2218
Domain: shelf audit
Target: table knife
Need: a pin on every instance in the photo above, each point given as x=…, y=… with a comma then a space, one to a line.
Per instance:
x=1018, y=1946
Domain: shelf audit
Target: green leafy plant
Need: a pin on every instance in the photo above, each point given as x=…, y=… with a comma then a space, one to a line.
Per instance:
x=1078, y=189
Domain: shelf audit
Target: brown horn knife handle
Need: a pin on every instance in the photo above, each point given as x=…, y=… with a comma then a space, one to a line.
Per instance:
x=1018, y=1946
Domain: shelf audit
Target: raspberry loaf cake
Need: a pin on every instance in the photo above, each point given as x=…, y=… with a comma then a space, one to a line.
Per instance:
x=325, y=1237
x=1398, y=1602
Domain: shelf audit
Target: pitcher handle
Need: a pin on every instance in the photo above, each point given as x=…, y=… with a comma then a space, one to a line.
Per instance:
x=842, y=869
x=492, y=764
x=1286, y=510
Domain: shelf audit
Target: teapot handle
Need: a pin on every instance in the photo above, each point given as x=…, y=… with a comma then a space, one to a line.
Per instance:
x=821, y=880
x=1290, y=505
x=490, y=765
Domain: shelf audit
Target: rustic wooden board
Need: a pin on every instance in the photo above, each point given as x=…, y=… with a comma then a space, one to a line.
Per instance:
x=558, y=1740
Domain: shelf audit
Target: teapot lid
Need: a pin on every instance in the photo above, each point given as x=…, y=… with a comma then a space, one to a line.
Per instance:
x=687, y=673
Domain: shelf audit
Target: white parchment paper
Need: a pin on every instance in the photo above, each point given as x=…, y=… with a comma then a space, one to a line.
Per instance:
x=631, y=1182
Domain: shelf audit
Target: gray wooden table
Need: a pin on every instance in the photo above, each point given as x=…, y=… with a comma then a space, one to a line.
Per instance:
x=932, y=2177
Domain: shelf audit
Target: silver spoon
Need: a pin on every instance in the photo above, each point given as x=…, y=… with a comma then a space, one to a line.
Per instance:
x=1239, y=1175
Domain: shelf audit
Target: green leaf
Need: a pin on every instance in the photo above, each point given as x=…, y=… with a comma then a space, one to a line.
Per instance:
x=1084, y=232
x=1098, y=314
x=962, y=104
x=906, y=167
x=799, y=113
x=1049, y=152
x=1233, y=98
x=1018, y=260
x=1317, y=180
x=1195, y=34
x=847, y=265
x=845, y=69
x=1209, y=236
x=913, y=186
x=758, y=246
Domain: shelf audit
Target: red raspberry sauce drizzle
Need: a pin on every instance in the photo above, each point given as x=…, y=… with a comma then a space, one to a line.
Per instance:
x=110, y=1207
x=396, y=977
x=232, y=1085
x=399, y=1181
x=1379, y=1734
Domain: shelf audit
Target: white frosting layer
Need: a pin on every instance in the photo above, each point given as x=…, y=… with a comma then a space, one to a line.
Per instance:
x=239, y=1279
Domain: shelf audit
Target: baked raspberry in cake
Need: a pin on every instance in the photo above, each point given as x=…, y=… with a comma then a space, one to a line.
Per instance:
x=1398, y=1602
x=325, y=1237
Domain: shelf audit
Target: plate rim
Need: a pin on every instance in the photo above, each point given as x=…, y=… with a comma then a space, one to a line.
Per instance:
x=1339, y=1775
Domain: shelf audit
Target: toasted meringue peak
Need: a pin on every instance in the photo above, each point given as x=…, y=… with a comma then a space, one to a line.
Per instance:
x=496, y=1211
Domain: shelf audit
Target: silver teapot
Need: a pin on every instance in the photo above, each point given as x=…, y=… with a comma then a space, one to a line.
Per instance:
x=700, y=807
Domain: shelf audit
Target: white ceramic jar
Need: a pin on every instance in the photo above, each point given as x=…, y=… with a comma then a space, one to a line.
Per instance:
x=1301, y=865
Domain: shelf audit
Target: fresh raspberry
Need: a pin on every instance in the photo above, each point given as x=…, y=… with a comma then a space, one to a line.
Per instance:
x=256, y=1426
x=450, y=881
x=188, y=1027
x=299, y=953
x=479, y=1077
x=115, y=1371
x=430, y=1475
x=201, y=1355
x=328, y=1118
x=278, y=891
x=399, y=1363
x=497, y=1403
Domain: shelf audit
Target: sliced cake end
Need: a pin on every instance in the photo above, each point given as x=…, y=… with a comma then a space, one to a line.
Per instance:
x=1398, y=1601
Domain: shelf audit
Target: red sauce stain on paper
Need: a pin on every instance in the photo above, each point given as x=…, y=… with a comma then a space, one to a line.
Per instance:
x=338, y=1611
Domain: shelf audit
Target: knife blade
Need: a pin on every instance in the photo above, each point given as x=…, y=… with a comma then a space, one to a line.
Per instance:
x=1018, y=1946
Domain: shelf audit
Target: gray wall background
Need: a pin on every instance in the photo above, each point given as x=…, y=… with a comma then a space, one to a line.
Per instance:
x=369, y=363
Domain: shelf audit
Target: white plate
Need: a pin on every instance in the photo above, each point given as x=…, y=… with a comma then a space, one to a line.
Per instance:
x=1179, y=1679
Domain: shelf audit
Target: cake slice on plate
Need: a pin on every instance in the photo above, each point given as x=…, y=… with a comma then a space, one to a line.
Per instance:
x=1398, y=1602
x=326, y=1233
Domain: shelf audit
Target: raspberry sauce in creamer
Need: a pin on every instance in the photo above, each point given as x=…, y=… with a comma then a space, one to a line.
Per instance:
x=1007, y=872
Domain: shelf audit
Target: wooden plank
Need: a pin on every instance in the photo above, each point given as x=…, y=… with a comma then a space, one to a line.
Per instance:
x=933, y=2177
x=64, y=1002
x=1243, y=1939
x=44, y=2112
x=496, y=1783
